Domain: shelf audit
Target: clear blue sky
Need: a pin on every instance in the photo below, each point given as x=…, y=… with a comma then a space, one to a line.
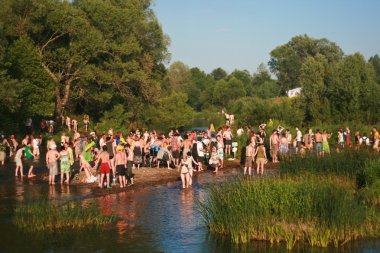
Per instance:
x=239, y=34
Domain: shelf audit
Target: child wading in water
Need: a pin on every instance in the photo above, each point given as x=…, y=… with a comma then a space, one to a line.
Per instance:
x=105, y=167
x=29, y=155
x=18, y=161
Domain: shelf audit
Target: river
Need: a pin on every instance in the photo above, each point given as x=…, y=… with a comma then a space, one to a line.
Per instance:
x=159, y=218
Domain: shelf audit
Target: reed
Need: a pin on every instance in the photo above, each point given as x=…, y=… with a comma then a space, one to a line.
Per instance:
x=314, y=209
x=42, y=216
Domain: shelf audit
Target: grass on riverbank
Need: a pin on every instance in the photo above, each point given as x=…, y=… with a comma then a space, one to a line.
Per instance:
x=42, y=216
x=312, y=209
x=363, y=167
x=345, y=163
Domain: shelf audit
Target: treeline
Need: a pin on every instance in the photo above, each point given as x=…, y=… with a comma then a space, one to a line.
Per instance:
x=107, y=59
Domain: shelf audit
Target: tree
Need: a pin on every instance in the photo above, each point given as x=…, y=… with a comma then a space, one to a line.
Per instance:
x=286, y=60
x=352, y=90
x=235, y=88
x=245, y=77
x=23, y=63
x=177, y=76
x=267, y=89
x=261, y=76
x=218, y=74
x=375, y=62
x=313, y=95
x=220, y=94
x=91, y=44
x=171, y=112
x=199, y=89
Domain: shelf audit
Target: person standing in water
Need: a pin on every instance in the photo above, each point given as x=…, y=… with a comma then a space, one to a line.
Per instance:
x=187, y=170
x=18, y=161
x=65, y=164
x=52, y=157
x=29, y=156
x=105, y=167
x=121, y=165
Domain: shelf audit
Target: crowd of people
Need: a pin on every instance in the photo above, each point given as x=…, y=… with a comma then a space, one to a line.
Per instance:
x=110, y=156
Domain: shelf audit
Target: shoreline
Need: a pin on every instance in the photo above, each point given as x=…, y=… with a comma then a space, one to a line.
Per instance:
x=144, y=177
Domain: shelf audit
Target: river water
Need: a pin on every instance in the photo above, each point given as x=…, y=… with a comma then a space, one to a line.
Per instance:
x=162, y=218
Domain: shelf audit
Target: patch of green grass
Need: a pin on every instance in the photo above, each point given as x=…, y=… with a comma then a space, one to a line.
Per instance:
x=42, y=216
x=317, y=210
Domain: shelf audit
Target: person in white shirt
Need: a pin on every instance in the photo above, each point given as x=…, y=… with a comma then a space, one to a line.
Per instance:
x=298, y=139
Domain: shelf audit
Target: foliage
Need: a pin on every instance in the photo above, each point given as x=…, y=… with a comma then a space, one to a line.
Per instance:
x=117, y=119
x=375, y=62
x=254, y=111
x=79, y=44
x=171, y=112
x=286, y=60
x=219, y=74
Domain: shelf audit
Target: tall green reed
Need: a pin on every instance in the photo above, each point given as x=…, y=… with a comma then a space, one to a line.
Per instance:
x=42, y=216
x=310, y=209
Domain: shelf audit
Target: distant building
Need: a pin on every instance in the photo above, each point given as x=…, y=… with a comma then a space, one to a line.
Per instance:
x=294, y=92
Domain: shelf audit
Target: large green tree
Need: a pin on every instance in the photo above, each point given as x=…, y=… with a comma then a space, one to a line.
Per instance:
x=313, y=95
x=375, y=62
x=95, y=46
x=286, y=60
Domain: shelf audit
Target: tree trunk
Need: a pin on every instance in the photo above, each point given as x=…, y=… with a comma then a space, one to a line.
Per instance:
x=61, y=101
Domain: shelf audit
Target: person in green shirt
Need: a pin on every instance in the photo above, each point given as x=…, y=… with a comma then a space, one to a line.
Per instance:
x=29, y=156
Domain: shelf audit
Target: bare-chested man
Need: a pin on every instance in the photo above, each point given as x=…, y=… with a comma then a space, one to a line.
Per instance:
x=187, y=145
x=74, y=122
x=105, y=167
x=227, y=136
x=52, y=157
x=68, y=123
x=129, y=173
x=121, y=166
